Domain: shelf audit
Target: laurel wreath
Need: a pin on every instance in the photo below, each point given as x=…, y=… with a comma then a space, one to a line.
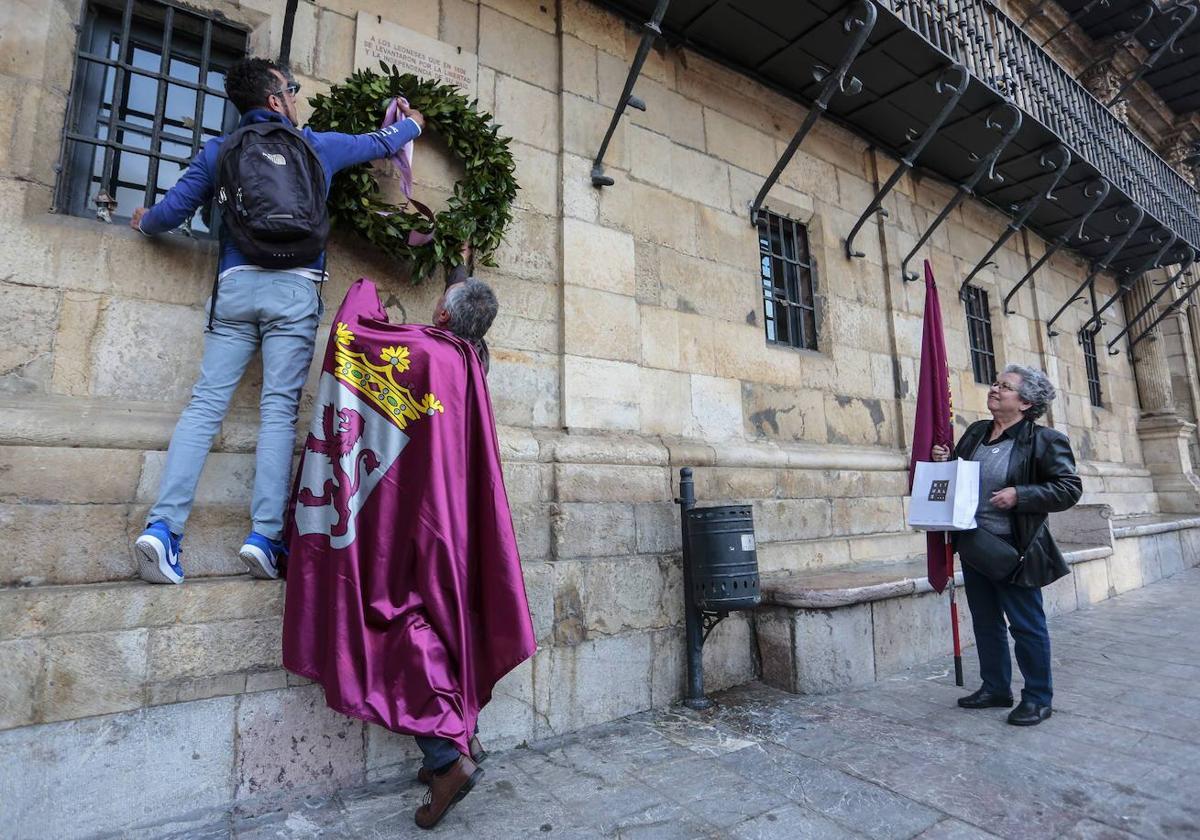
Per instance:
x=480, y=207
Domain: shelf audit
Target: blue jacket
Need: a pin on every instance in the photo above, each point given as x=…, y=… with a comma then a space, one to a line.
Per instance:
x=336, y=151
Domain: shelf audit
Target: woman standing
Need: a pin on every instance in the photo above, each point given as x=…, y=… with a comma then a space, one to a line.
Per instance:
x=1026, y=471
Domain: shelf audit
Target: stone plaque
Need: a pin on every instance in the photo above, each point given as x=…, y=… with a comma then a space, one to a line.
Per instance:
x=378, y=40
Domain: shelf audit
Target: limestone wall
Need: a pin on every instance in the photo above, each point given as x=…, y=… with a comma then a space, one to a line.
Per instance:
x=630, y=343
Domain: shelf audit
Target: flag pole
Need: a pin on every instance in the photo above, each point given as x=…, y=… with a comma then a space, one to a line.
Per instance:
x=958, y=669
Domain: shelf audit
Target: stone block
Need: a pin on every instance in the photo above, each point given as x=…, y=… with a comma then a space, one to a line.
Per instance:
x=594, y=26
x=728, y=483
x=529, y=248
x=657, y=527
x=777, y=520
x=334, y=59
x=27, y=333
x=666, y=402
x=868, y=516
x=716, y=407
x=660, y=337
x=611, y=483
x=266, y=681
x=513, y=47
x=700, y=177
x=781, y=412
x=524, y=388
x=708, y=288
x=600, y=325
x=390, y=754
x=833, y=649
x=597, y=680
x=192, y=650
x=662, y=217
x=855, y=421
x=524, y=482
x=593, y=529
x=21, y=662
x=93, y=674
x=650, y=156
x=539, y=590
x=773, y=628
x=103, y=762
x=49, y=475
x=290, y=741
x=1060, y=597
x=908, y=631
x=78, y=316
x=531, y=523
x=579, y=67
x=600, y=394
x=597, y=257
x=1171, y=557
x=527, y=113
x=537, y=173
x=730, y=657
x=1091, y=582
x=738, y=143
x=1125, y=565
x=584, y=125
x=726, y=238
x=510, y=718
x=670, y=666
x=1089, y=525
x=228, y=478
x=601, y=597
x=147, y=351
x=41, y=545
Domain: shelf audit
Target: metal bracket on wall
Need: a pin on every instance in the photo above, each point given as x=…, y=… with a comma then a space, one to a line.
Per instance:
x=1086, y=10
x=858, y=22
x=1097, y=191
x=987, y=166
x=1185, y=260
x=1182, y=16
x=1162, y=316
x=1130, y=215
x=944, y=83
x=1047, y=161
x=1123, y=39
x=1125, y=286
x=653, y=30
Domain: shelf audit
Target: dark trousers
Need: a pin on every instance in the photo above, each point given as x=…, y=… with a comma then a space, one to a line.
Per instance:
x=438, y=752
x=990, y=604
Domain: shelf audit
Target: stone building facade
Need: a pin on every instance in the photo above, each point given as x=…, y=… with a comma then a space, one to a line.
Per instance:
x=630, y=343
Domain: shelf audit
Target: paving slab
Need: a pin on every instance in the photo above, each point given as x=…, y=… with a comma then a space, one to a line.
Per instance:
x=895, y=759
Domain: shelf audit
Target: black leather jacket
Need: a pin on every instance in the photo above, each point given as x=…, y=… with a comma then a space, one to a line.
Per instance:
x=1041, y=467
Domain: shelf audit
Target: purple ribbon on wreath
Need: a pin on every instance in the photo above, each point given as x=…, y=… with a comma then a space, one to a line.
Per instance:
x=402, y=160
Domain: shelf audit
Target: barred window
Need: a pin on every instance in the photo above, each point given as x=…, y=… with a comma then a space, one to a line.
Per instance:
x=979, y=334
x=148, y=91
x=1087, y=340
x=789, y=304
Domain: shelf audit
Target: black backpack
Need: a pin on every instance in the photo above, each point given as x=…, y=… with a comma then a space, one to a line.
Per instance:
x=271, y=191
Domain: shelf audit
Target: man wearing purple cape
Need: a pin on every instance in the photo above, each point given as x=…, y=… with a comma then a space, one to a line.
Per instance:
x=405, y=598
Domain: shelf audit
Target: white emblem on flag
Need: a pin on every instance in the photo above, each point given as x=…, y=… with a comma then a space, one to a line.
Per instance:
x=349, y=449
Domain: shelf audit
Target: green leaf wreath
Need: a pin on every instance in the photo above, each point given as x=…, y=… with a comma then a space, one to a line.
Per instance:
x=481, y=206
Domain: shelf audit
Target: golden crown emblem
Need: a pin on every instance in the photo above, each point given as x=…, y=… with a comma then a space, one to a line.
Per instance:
x=377, y=381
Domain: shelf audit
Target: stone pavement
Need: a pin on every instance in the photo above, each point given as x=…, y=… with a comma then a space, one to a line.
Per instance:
x=1120, y=758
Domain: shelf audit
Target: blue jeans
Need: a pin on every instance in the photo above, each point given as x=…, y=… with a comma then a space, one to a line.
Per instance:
x=277, y=311
x=438, y=752
x=990, y=603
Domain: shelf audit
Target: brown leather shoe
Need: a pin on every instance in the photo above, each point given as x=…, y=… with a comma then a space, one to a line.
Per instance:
x=445, y=791
x=478, y=755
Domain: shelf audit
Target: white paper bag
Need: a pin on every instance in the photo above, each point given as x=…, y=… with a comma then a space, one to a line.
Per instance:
x=945, y=495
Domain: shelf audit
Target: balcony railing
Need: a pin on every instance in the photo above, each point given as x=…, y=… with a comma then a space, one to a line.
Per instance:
x=998, y=53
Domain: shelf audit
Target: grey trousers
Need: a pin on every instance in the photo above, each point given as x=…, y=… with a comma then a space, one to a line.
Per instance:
x=278, y=312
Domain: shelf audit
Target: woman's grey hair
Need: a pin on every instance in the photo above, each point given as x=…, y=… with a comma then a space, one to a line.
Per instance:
x=1035, y=389
x=472, y=306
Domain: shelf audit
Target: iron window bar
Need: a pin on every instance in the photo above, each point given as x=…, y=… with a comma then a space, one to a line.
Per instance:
x=943, y=85
x=171, y=35
x=979, y=335
x=858, y=22
x=1131, y=217
x=1087, y=341
x=1096, y=190
x=786, y=269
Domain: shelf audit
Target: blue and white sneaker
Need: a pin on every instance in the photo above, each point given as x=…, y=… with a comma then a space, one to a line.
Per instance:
x=262, y=556
x=157, y=551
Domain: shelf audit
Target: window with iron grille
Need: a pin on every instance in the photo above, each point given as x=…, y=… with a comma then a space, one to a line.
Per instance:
x=148, y=92
x=1087, y=340
x=789, y=303
x=979, y=334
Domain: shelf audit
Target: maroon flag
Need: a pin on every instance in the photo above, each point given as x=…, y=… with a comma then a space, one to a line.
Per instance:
x=934, y=422
x=405, y=598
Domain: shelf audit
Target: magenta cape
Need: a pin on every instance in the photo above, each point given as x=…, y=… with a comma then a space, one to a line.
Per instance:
x=405, y=598
x=934, y=419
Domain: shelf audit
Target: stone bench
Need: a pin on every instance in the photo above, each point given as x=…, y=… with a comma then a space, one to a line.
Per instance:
x=825, y=630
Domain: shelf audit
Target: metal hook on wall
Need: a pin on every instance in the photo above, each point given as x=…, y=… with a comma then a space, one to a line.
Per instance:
x=859, y=22
x=1162, y=316
x=1059, y=169
x=1125, y=286
x=1134, y=222
x=941, y=85
x=1096, y=190
x=1185, y=260
x=986, y=167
